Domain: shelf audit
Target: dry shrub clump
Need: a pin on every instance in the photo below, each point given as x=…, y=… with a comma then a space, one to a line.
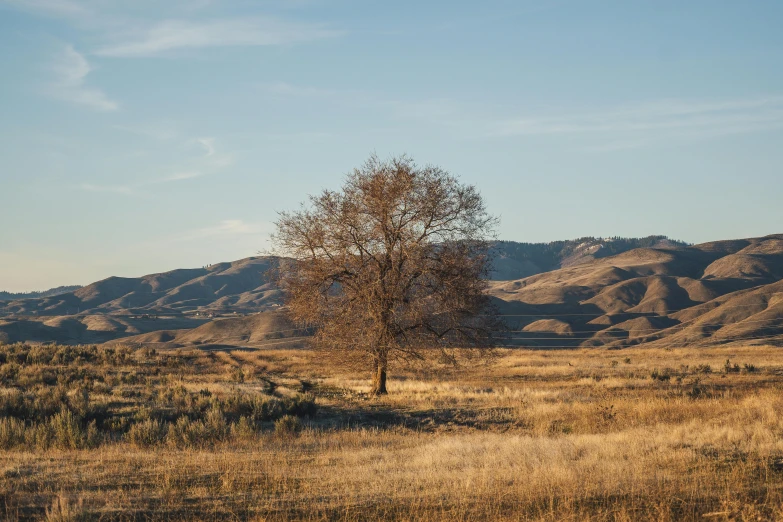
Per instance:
x=79, y=397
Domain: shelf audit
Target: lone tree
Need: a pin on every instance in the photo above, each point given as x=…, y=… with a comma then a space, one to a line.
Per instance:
x=392, y=265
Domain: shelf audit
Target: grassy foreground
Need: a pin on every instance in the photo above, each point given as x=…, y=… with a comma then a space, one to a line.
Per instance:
x=132, y=434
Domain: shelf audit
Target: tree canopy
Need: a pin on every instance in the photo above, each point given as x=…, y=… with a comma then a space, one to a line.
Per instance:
x=392, y=264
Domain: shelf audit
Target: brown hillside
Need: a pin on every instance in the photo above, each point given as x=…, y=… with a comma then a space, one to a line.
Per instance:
x=718, y=292
x=243, y=286
x=265, y=328
x=85, y=329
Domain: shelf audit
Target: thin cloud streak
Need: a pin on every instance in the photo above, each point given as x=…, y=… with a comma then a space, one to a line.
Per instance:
x=178, y=176
x=614, y=146
x=730, y=116
x=114, y=189
x=182, y=176
x=212, y=158
x=133, y=190
x=288, y=89
x=172, y=35
x=646, y=123
x=208, y=144
x=162, y=131
x=210, y=163
x=228, y=227
x=70, y=71
x=48, y=7
x=432, y=110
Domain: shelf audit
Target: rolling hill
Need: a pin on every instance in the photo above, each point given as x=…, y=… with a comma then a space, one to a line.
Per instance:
x=87, y=328
x=665, y=293
x=261, y=329
x=516, y=260
x=242, y=286
x=715, y=292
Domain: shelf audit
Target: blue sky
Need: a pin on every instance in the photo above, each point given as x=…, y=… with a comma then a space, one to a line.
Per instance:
x=138, y=137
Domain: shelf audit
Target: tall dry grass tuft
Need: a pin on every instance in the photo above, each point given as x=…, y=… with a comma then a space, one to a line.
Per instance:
x=63, y=510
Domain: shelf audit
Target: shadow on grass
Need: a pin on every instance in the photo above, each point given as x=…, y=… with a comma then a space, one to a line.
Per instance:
x=429, y=420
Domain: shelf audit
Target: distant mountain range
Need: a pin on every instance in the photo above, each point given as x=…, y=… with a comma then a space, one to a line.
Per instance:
x=9, y=296
x=194, y=286
x=516, y=260
x=242, y=286
x=586, y=292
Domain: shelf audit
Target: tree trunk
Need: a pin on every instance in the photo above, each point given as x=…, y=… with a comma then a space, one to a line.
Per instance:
x=379, y=379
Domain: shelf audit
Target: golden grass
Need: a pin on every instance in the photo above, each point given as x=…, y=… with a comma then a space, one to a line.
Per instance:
x=537, y=435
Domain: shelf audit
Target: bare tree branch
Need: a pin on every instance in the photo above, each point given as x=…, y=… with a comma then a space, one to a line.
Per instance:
x=390, y=266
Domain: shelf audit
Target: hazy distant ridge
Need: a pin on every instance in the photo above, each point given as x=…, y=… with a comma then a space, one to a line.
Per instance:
x=594, y=292
x=8, y=296
x=516, y=260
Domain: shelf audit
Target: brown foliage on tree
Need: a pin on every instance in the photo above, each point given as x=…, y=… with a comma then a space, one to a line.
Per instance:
x=392, y=265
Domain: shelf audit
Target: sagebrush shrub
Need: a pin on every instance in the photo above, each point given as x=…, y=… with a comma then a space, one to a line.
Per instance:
x=147, y=433
x=243, y=429
x=288, y=426
x=302, y=405
x=216, y=426
x=79, y=402
x=179, y=434
x=66, y=430
x=12, y=433
x=187, y=433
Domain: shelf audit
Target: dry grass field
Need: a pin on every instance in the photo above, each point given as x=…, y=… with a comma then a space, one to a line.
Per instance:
x=636, y=434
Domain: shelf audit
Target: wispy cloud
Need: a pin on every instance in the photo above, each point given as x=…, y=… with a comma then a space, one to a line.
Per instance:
x=615, y=128
x=115, y=189
x=70, y=71
x=221, y=161
x=212, y=157
x=48, y=7
x=288, y=89
x=174, y=35
x=179, y=176
x=137, y=188
x=210, y=163
x=229, y=227
x=160, y=131
x=208, y=144
x=428, y=109
x=616, y=145
x=695, y=117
